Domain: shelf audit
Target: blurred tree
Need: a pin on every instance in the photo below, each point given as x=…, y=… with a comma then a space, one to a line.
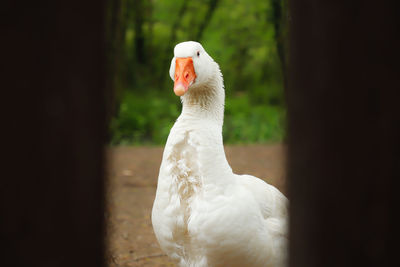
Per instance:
x=115, y=37
x=212, y=5
x=278, y=20
x=139, y=43
x=246, y=38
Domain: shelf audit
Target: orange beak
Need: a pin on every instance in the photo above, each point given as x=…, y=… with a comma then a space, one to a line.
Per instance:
x=184, y=75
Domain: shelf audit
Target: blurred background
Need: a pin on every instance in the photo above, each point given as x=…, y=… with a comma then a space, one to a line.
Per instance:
x=246, y=38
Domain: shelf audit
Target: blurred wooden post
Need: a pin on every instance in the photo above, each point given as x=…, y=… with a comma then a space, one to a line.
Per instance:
x=344, y=133
x=51, y=193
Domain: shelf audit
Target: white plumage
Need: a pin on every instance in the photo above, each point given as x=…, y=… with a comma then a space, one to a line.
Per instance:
x=203, y=213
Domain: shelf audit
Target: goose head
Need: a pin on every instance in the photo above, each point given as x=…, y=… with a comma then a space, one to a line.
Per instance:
x=191, y=67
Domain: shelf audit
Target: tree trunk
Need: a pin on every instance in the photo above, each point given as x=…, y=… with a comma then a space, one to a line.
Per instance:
x=139, y=33
x=115, y=38
x=212, y=5
x=279, y=21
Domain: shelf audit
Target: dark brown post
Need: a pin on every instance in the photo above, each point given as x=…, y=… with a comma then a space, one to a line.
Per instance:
x=51, y=193
x=344, y=133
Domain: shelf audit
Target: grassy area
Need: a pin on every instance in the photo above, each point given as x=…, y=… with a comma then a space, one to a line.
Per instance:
x=148, y=118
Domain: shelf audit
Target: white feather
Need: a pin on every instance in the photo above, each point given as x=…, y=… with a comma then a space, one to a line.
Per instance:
x=203, y=213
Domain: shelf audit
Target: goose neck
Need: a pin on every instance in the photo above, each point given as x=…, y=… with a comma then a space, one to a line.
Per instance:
x=205, y=102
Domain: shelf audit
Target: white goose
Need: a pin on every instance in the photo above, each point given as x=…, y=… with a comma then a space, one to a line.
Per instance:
x=203, y=213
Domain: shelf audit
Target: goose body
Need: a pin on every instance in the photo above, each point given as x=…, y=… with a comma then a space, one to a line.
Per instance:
x=203, y=213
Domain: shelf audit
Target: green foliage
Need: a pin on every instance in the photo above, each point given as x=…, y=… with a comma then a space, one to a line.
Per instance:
x=144, y=119
x=147, y=119
x=244, y=36
x=248, y=123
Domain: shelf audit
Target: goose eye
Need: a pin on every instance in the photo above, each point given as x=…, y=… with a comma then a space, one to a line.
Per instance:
x=198, y=53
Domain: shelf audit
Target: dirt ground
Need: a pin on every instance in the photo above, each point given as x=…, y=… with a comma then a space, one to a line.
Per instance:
x=131, y=190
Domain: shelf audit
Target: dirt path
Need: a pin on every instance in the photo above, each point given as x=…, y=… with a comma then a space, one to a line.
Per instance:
x=131, y=188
